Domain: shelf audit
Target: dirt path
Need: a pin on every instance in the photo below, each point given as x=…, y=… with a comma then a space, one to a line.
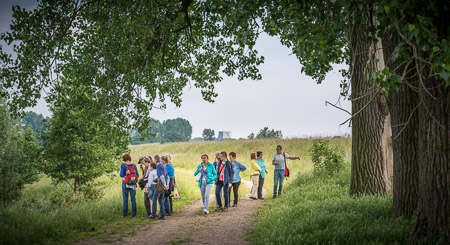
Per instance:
x=191, y=226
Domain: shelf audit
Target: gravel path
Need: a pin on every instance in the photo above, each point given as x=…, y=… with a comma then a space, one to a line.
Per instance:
x=191, y=226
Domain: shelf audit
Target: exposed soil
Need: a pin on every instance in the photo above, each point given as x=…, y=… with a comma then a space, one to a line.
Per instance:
x=190, y=226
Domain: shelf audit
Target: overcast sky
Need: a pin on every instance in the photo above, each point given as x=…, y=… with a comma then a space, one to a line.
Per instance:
x=285, y=99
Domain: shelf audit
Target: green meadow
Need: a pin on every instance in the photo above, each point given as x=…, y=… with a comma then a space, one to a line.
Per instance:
x=312, y=209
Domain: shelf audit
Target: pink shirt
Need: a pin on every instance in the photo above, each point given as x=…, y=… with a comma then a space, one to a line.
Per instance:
x=221, y=168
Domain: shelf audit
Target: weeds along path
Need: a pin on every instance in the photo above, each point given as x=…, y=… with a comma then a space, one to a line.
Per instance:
x=190, y=226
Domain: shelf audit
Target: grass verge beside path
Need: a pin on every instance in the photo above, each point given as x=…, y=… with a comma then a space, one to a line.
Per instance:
x=319, y=210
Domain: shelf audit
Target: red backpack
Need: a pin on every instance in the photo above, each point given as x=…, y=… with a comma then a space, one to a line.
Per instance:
x=131, y=176
x=287, y=172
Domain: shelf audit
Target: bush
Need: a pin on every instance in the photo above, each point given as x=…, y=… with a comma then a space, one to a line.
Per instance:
x=61, y=196
x=92, y=191
x=327, y=161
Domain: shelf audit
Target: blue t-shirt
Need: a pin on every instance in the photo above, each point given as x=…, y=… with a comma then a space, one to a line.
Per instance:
x=170, y=170
x=161, y=171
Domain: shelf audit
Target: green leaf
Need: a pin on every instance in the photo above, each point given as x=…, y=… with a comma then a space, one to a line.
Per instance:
x=411, y=27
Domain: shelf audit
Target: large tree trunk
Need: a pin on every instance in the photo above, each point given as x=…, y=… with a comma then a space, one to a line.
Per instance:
x=433, y=209
x=403, y=106
x=370, y=112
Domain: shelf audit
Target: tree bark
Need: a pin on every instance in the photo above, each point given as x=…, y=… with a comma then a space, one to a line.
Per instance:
x=370, y=112
x=433, y=208
x=403, y=105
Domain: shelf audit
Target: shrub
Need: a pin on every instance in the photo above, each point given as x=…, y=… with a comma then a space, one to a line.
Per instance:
x=327, y=160
x=92, y=191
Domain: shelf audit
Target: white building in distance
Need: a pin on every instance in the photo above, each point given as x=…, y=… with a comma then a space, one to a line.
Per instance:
x=224, y=135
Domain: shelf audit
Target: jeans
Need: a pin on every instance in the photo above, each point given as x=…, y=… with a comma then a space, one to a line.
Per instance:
x=220, y=194
x=219, y=186
x=278, y=174
x=125, y=192
x=158, y=198
x=167, y=205
x=260, y=186
x=236, y=191
x=205, y=190
x=226, y=194
x=147, y=205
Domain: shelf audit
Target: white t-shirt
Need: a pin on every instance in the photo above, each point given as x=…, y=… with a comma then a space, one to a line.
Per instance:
x=280, y=158
x=153, y=175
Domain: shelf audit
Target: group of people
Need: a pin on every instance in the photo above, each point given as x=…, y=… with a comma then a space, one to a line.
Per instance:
x=224, y=174
x=156, y=172
x=158, y=180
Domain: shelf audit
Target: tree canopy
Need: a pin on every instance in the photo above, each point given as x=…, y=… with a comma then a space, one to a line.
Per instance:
x=128, y=56
x=208, y=134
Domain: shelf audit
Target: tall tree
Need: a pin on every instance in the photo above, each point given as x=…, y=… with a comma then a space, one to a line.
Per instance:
x=269, y=133
x=79, y=145
x=403, y=104
x=208, y=134
x=319, y=34
x=369, y=107
x=175, y=130
x=34, y=120
x=20, y=156
x=420, y=60
x=131, y=55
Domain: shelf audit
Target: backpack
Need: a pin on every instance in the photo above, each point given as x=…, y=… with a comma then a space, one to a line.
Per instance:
x=143, y=182
x=287, y=172
x=131, y=177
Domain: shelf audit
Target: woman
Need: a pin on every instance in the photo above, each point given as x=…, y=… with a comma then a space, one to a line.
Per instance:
x=168, y=203
x=255, y=171
x=128, y=169
x=150, y=187
x=216, y=161
x=224, y=178
x=237, y=169
x=262, y=176
x=208, y=175
x=161, y=174
x=146, y=173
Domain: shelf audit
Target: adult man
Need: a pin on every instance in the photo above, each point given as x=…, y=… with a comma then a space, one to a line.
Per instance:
x=279, y=160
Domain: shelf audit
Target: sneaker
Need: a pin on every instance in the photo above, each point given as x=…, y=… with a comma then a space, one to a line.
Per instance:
x=132, y=216
x=205, y=211
x=219, y=209
x=253, y=198
x=161, y=218
x=146, y=214
x=124, y=216
x=234, y=205
x=274, y=197
x=168, y=214
x=225, y=209
x=151, y=217
x=261, y=198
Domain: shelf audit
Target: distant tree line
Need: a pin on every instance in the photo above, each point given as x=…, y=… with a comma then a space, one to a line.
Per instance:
x=266, y=133
x=171, y=130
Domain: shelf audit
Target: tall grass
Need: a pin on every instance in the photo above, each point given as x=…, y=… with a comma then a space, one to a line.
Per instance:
x=317, y=210
x=34, y=219
x=187, y=155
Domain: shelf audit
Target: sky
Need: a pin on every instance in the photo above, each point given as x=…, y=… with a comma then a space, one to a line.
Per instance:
x=285, y=99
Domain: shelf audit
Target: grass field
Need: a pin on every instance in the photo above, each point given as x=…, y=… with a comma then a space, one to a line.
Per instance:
x=187, y=155
x=35, y=219
x=317, y=210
